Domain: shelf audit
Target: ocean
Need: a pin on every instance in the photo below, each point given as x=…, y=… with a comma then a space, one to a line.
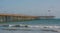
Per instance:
x=34, y=26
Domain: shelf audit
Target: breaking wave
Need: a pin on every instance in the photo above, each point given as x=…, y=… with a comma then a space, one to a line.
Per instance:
x=32, y=27
x=43, y=26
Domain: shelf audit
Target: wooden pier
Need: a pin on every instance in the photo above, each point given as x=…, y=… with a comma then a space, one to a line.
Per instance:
x=20, y=17
x=15, y=17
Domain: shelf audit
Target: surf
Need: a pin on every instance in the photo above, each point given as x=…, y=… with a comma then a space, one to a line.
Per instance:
x=31, y=27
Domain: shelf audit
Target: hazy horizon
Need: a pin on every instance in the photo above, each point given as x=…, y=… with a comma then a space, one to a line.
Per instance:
x=31, y=7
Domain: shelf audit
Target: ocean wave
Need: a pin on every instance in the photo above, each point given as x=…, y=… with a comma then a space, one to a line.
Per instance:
x=43, y=26
x=31, y=26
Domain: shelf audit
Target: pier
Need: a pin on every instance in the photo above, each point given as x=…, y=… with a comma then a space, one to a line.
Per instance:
x=15, y=17
x=20, y=17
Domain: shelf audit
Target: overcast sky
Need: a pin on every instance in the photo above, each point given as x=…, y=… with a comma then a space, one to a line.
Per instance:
x=31, y=7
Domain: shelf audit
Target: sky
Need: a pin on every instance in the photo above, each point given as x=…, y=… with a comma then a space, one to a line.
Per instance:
x=31, y=7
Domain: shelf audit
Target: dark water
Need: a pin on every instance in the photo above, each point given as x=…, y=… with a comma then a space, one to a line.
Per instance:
x=35, y=26
x=36, y=22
